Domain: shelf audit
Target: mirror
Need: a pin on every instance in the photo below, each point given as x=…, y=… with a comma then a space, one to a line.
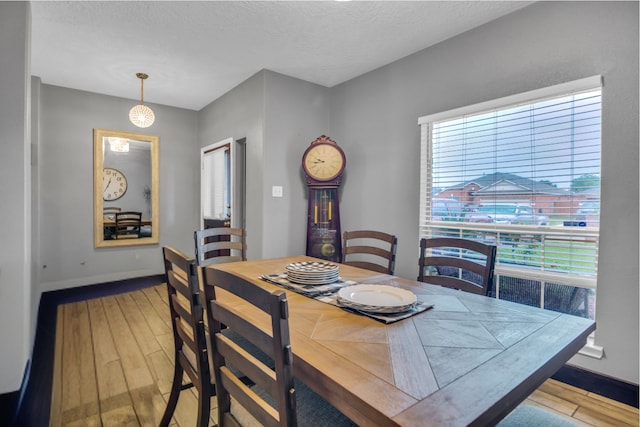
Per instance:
x=125, y=188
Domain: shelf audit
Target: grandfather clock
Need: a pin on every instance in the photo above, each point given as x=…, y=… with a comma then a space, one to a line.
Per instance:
x=323, y=163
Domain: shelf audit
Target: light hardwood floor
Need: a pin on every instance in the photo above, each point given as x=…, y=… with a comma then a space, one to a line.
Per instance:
x=114, y=362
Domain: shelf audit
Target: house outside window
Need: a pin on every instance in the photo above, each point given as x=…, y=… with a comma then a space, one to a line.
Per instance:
x=523, y=173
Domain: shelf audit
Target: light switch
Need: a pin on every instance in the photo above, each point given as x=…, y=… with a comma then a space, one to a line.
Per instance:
x=276, y=191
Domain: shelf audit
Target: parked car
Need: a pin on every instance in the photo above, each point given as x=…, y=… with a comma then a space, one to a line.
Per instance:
x=588, y=213
x=454, y=210
x=508, y=213
x=589, y=208
x=446, y=210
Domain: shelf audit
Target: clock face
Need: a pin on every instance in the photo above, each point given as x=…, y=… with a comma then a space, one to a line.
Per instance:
x=114, y=184
x=323, y=162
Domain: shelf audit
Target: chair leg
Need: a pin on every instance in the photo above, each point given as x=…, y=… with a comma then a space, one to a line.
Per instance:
x=204, y=406
x=173, y=396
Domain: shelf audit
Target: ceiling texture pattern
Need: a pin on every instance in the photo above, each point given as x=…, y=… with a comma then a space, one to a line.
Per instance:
x=195, y=51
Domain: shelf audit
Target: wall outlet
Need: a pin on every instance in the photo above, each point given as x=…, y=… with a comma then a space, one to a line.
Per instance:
x=276, y=191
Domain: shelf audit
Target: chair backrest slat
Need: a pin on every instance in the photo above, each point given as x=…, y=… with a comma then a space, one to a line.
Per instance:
x=245, y=362
x=244, y=327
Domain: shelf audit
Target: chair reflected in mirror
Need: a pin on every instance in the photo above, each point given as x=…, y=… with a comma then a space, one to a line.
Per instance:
x=109, y=212
x=128, y=225
x=109, y=217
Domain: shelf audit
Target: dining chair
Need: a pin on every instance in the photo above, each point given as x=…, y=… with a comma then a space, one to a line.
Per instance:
x=190, y=332
x=190, y=343
x=271, y=397
x=457, y=263
x=533, y=416
x=220, y=244
x=110, y=212
x=562, y=298
x=369, y=249
x=216, y=245
x=128, y=225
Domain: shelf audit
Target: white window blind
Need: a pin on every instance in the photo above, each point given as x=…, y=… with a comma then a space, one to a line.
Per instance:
x=522, y=172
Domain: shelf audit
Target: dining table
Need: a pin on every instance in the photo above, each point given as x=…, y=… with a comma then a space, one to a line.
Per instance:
x=465, y=360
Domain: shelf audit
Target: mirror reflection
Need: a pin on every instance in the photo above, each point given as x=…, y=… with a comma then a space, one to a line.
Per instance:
x=125, y=188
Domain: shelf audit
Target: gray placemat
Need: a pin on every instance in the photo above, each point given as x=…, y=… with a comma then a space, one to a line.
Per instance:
x=311, y=291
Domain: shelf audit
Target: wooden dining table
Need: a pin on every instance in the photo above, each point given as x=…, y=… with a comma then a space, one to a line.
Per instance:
x=469, y=360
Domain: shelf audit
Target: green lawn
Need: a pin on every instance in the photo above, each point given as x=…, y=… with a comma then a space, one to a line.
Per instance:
x=577, y=257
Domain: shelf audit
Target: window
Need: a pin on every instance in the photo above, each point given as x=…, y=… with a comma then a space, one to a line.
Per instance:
x=522, y=172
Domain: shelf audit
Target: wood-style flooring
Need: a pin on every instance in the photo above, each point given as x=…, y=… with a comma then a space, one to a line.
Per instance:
x=113, y=366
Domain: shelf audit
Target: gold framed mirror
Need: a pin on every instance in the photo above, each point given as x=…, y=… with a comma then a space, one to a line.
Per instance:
x=125, y=188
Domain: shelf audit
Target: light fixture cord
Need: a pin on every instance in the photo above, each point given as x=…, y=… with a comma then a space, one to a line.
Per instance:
x=141, y=91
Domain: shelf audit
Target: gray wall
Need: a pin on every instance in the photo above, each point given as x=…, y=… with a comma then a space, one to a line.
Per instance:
x=66, y=255
x=296, y=113
x=15, y=193
x=240, y=114
x=279, y=116
x=374, y=117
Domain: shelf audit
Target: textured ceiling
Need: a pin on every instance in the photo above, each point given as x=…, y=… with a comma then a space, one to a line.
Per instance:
x=194, y=52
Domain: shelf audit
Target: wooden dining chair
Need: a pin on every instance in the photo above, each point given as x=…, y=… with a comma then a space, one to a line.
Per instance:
x=190, y=343
x=128, y=225
x=271, y=397
x=372, y=250
x=110, y=212
x=221, y=244
x=457, y=263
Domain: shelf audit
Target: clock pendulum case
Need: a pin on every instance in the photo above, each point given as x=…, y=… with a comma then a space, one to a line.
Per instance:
x=323, y=163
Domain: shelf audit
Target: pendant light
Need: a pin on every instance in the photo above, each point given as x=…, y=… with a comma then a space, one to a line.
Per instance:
x=119, y=145
x=141, y=115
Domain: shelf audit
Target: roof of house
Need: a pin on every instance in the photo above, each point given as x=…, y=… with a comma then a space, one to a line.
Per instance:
x=500, y=182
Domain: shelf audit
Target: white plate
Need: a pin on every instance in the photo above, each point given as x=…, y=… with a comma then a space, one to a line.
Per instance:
x=311, y=267
x=321, y=281
x=377, y=296
x=374, y=309
x=306, y=276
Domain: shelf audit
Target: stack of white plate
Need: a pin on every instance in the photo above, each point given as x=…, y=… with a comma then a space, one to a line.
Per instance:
x=376, y=298
x=312, y=273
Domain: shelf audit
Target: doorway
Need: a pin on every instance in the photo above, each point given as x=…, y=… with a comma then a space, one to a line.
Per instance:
x=222, y=185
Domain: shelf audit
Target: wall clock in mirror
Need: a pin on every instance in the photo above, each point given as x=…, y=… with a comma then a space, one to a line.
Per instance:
x=323, y=163
x=114, y=184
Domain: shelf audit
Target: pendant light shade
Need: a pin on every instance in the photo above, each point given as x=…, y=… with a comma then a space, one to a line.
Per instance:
x=119, y=145
x=141, y=115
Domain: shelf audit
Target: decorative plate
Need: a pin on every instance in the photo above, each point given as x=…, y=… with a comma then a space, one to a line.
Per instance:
x=312, y=273
x=376, y=298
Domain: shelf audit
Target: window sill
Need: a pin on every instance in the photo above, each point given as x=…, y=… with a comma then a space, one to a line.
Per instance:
x=590, y=349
